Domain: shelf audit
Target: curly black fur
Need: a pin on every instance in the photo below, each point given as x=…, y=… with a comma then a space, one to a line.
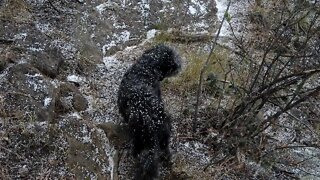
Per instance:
x=141, y=106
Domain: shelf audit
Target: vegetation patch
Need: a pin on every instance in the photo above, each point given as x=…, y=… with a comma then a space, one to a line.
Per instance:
x=188, y=79
x=176, y=36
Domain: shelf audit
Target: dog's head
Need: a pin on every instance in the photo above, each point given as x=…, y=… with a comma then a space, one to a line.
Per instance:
x=163, y=59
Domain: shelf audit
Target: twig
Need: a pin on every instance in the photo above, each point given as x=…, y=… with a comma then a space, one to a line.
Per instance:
x=309, y=173
x=80, y=1
x=307, y=126
x=293, y=147
x=54, y=7
x=269, y=47
x=10, y=151
x=285, y=110
x=199, y=89
x=219, y=161
x=6, y=41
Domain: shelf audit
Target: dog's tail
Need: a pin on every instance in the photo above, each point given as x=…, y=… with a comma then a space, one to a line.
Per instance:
x=147, y=164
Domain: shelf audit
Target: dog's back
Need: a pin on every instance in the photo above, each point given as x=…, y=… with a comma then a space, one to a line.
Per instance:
x=140, y=104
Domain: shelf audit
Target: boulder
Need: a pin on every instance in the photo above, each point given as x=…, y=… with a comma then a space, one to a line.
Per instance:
x=48, y=62
x=29, y=93
x=70, y=98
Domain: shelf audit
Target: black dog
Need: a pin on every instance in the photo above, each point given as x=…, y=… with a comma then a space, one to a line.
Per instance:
x=141, y=106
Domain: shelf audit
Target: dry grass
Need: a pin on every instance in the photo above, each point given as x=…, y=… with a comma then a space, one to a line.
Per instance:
x=176, y=36
x=188, y=79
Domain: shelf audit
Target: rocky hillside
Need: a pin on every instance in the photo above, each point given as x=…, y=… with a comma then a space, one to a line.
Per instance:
x=60, y=66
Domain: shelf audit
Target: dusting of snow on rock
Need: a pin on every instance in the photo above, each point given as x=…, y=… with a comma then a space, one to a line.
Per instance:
x=31, y=126
x=3, y=78
x=67, y=49
x=119, y=25
x=76, y=115
x=110, y=62
x=151, y=33
x=129, y=48
x=120, y=38
x=47, y=101
x=102, y=7
x=35, y=83
x=270, y=112
x=20, y=36
x=22, y=61
x=202, y=7
x=102, y=104
x=35, y=49
x=74, y=78
x=86, y=138
x=55, y=83
x=40, y=2
x=197, y=8
x=201, y=25
x=106, y=47
x=145, y=7
x=124, y=36
x=33, y=75
x=44, y=28
x=123, y=4
x=192, y=10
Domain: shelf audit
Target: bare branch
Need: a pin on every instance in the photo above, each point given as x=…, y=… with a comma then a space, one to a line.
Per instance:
x=199, y=89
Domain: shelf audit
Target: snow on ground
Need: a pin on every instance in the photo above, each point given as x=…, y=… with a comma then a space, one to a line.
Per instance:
x=197, y=7
x=102, y=7
x=222, y=6
x=119, y=38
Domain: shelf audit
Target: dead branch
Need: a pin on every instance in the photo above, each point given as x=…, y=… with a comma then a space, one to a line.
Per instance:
x=199, y=88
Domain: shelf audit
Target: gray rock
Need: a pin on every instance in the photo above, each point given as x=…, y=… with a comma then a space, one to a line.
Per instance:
x=79, y=102
x=48, y=62
x=29, y=93
x=3, y=64
x=23, y=171
x=6, y=56
x=70, y=98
